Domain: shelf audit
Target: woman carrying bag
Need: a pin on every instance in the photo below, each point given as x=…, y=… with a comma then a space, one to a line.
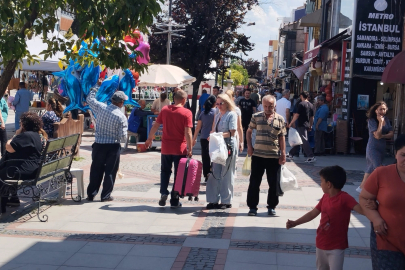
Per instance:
x=220, y=182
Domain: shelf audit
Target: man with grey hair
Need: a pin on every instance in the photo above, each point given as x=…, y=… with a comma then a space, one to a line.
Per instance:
x=320, y=125
x=111, y=129
x=284, y=105
x=268, y=153
x=177, y=122
x=187, y=105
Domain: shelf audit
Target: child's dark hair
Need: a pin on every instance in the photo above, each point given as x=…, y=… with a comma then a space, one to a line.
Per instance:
x=334, y=174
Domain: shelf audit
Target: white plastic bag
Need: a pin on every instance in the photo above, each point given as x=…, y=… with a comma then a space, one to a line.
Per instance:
x=287, y=179
x=217, y=148
x=294, y=137
x=247, y=166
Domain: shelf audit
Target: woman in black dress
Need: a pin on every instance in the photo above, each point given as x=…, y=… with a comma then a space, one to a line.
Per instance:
x=23, y=155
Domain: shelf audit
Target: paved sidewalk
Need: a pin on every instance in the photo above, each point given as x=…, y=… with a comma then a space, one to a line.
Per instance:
x=133, y=232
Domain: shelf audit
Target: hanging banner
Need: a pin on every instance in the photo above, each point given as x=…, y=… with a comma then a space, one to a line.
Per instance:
x=378, y=35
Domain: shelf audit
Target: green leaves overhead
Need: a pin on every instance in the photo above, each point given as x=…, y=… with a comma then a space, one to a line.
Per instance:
x=113, y=19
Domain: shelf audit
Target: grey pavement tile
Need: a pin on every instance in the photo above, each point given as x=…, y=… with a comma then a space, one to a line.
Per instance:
x=244, y=266
x=289, y=267
x=41, y=257
x=80, y=268
x=17, y=243
x=146, y=263
x=257, y=257
x=66, y=246
x=155, y=251
x=8, y=255
x=295, y=238
x=19, y=266
x=267, y=234
x=206, y=243
x=357, y=242
x=357, y=263
x=106, y=248
x=291, y=259
x=94, y=260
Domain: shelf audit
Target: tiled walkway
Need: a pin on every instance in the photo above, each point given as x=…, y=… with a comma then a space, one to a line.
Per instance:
x=133, y=232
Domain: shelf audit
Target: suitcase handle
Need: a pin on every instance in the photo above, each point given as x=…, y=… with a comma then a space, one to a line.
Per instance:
x=183, y=188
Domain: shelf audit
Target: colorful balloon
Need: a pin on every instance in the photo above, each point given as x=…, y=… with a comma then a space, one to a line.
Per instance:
x=89, y=77
x=144, y=48
x=107, y=89
x=74, y=90
x=127, y=83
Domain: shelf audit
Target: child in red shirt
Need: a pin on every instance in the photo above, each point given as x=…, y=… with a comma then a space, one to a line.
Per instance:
x=335, y=206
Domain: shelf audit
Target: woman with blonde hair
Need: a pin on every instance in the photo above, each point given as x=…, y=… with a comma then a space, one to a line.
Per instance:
x=220, y=181
x=239, y=135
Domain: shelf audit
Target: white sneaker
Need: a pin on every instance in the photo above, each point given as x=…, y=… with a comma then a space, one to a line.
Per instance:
x=289, y=157
x=310, y=160
x=358, y=189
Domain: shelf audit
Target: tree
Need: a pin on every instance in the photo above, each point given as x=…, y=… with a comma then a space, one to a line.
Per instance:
x=22, y=19
x=210, y=35
x=252, y=67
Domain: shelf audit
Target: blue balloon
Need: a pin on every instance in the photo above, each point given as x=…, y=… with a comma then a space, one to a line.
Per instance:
x=62, y=86
x=107, y=89
x=73, y=90
x=127, y=83
x=89, y=77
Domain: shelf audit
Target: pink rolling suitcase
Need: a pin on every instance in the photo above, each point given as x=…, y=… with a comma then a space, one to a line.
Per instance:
x=188, y=178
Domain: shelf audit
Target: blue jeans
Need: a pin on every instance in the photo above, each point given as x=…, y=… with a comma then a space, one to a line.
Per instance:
x=165, y=173
x=17, y=120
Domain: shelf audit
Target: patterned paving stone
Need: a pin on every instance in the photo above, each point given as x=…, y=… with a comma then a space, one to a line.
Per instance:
x=214, y=224
x=201, y=258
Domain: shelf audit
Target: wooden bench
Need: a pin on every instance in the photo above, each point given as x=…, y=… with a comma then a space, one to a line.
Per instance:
x=53, y=173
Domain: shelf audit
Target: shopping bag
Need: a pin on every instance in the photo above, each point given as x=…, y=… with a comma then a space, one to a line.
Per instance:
x=217, y=148
x=294, y=137
x=247, y=166
x=286, y=181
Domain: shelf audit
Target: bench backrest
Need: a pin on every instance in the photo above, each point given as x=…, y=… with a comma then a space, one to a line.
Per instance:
x=57, y=157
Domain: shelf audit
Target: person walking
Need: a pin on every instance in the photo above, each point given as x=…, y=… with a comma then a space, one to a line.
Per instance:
x=111, y=129
x=239, y=134
x=177, y=122
x=187, y=105
x=205, y=120
x=320, y=125
x=215, y=91
x=3, y=121
x=379, y=129
x=255, y=97
x=268, y=154
x=21, y=103
x=248, y=108
x=283, y=106
x=278, y=94
x=303, y=117
x=386, y=184
x=220, y=182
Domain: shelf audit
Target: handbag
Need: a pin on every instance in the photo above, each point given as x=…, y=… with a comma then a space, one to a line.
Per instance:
x=294, y=137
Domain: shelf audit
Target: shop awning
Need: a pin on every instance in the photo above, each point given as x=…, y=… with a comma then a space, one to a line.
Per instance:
x=394, y=72
x=311, y=54
x=301, y=70
x=314, y=19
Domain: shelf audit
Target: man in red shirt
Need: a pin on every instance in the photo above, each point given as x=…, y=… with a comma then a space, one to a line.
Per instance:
x=335, y=208
x=177, y=122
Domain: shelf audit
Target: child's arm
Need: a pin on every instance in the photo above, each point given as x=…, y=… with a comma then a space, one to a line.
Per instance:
x=304, y=219
x=358, y=209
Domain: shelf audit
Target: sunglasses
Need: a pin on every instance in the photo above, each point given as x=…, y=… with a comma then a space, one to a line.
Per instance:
x=222, y=103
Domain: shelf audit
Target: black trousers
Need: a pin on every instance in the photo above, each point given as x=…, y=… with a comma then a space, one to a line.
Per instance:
x=3, y=140
x=167, y=162
x=143, y=134
x=205, y=154
x=106, y=160
x=271, y=166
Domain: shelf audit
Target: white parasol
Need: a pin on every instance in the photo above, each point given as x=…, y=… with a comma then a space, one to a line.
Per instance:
x=165, y=75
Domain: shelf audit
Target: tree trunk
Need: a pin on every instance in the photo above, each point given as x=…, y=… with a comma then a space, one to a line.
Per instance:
x=6, y=76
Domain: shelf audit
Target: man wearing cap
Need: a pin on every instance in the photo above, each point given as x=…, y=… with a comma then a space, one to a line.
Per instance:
x=320, y=125
x=111, y=129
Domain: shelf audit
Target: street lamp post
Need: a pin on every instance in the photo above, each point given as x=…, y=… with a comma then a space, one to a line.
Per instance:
x=224, y=65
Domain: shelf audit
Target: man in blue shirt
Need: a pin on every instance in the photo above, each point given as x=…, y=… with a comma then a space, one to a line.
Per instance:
x=21, y=103
x=3, y=120
x=136, y=121
x=111, y=129
x=320, y=125
x=202, y=99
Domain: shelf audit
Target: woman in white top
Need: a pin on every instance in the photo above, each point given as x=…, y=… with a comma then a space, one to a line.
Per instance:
x=159, y=103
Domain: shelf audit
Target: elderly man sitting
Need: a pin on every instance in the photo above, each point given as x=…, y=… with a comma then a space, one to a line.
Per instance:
x=136, y=121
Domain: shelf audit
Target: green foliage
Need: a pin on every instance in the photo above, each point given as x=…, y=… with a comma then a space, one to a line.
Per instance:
x=22, y=19
x=69, y=34
x=239, y=69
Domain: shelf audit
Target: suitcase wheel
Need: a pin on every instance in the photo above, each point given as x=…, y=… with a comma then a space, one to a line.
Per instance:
x=196, y=199
x=190, y=198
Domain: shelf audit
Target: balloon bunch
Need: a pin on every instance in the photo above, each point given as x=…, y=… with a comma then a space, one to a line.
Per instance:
x=77, y=80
